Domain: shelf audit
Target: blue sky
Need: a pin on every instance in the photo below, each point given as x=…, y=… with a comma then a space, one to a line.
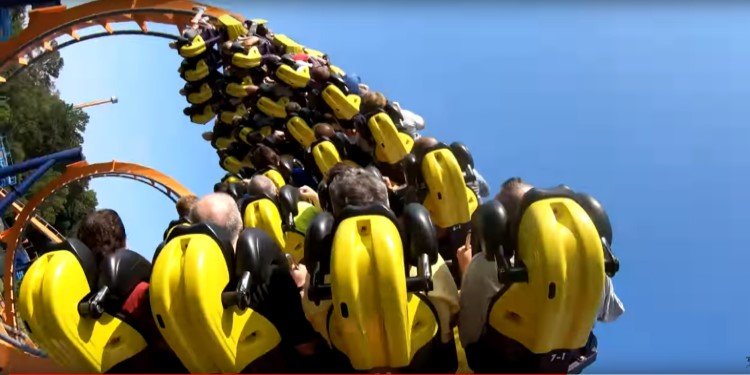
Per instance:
x=645, y=107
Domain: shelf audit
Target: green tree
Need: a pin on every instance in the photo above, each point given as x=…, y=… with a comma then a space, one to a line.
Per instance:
x=37, y=122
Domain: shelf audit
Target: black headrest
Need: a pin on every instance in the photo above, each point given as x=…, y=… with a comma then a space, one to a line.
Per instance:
x=597, y=214
x=85, y=257
x=257, y=252
x=286, y=165
x=462, y=153
x=216, y=233
x=288, y=199
x=420, y=234
x=489, y=230
x=319, y=240
x=121, y=271
x=236, y=189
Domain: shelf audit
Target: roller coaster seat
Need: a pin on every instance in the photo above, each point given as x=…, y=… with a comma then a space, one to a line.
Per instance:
x=273, y=108
x=439, y=180
x=391, y=146
x=552, y=265
x=194, y=71
x=198, y=95
x=200, y=114
x=240, y=88
x=262, y=212
x=76, y=318
x=220, y=311
x=345, y=106
x=192, y=44
x=324, y=154
x=353, y=259
x=299, y=129
x=296, y=216
x=293, y=74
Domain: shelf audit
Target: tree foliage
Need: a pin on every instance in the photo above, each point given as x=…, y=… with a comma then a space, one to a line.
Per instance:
x=37, y=122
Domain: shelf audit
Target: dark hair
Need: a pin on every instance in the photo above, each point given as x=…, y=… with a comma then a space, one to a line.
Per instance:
x=511, y=182
x=264, y=157
x=184, y=204
x=103, y=232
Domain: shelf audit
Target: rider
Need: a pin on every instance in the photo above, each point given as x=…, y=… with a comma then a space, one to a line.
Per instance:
x=183, y=207
x=480, y=281
x=104, y=233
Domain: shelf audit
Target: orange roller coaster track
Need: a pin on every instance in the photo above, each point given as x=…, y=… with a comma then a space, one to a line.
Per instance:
x=74, y=172
x=48, y=24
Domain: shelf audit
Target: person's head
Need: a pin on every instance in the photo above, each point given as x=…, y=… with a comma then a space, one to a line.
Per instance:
x=323, y=130
x=265, y=157
x=221, y=210
x=423, y=144
x=103, y=232
x=510, y=195
x=185, y=204
x=261, y=185
x=320, y=73
x=356, y=187
x=372, y=101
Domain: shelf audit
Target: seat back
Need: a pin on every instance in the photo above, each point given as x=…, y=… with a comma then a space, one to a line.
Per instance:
x=344, y=106
x=300, y=131
x=48, y=303
x=561, y=250
x=391, y=146
x=448, y=199
x=375, y=321
x=325, y=155
x=262, y=212
x=194, y=268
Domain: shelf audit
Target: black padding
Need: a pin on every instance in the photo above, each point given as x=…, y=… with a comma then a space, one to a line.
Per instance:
x=121, y=271
x=158, y=250
x=420, y=235
x=462, y=154
x=324, y=196
x=597, y=214
x=175, y=223
x=537, y=194
x=216, y=233
x=288, y=198
x=286, y=166
x=85, y=256
x=236, y=189
x=319, y=240
x=412, y=170
x=489, y=230
x=257, y=252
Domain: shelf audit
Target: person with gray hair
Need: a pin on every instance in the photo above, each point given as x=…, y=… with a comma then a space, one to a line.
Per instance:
x=219, y=209
x=261, y=185
x=356, y=187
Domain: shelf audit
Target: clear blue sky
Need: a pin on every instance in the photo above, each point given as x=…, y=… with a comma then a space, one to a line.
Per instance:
x=645, y=107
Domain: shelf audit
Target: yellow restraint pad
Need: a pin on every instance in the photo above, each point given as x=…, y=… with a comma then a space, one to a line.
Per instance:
x=48, y=303
x=186, y=284
x=384, y=325
x=264, y=214
x=449, y=200
x=391, y=146
x=560, y=246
